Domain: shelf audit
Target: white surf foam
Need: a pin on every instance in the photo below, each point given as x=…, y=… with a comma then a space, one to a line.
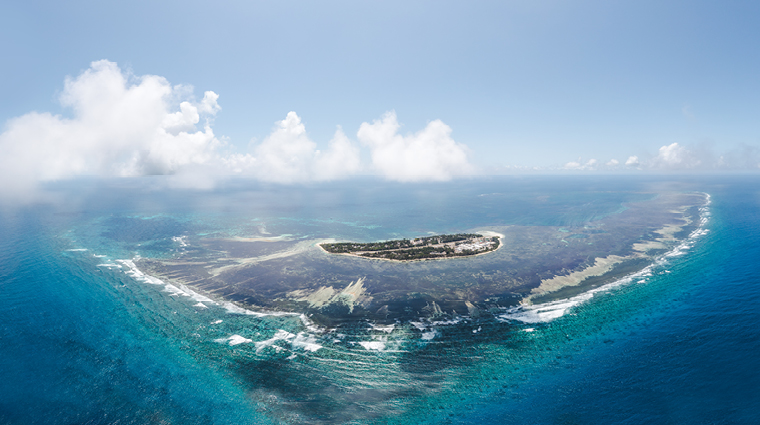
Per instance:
x=542, y=312
x=235, y=309
x=383, y=328
x=427, y=336
x=233, y=340
x=302, y=341
x=310, y=326
x=180, y=240
x=307, y=342
x=373, y=345
x=419, y=325
x=280, y=335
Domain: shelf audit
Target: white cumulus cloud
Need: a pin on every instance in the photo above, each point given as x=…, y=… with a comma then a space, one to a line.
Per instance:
x=288, y=155
x=632, y=161
x=339, y=160
x=675, y=156
x=428, y=155
x=591, y=164
x=121, y=125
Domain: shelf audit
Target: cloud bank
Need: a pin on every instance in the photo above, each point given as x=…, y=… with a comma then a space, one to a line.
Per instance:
x=679, y=158
x=121, y=124
x=591, y=164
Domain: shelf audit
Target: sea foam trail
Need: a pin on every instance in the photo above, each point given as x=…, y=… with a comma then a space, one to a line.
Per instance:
x=547, y=312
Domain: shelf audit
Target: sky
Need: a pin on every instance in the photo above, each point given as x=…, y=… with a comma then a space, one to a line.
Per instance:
x=294, y=91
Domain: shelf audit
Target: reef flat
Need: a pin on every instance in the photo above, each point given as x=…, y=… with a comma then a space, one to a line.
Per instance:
x=533, y=264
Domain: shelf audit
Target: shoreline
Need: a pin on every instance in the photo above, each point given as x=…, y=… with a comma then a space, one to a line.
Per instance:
x=485, y=233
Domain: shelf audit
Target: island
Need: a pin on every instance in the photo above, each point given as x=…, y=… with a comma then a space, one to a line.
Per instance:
x=422, y=248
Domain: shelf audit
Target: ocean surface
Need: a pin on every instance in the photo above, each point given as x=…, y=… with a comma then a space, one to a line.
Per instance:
x=88, y=338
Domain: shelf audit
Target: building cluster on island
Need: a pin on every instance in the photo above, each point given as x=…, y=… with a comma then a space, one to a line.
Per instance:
x=478, y=244
x=428, y=247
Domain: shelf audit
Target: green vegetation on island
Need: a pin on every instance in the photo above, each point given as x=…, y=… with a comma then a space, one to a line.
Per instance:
x=428, y=247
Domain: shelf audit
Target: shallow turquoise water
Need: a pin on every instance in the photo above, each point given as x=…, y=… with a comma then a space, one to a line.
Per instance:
x=85, y=343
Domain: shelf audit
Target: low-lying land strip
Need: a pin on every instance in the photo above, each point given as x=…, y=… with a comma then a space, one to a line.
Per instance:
x=423, y=248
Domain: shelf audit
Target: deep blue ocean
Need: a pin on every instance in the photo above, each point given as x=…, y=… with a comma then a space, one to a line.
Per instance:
x=86, y=340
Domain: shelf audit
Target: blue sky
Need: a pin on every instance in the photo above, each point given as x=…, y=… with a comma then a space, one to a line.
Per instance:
x=519, y=84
